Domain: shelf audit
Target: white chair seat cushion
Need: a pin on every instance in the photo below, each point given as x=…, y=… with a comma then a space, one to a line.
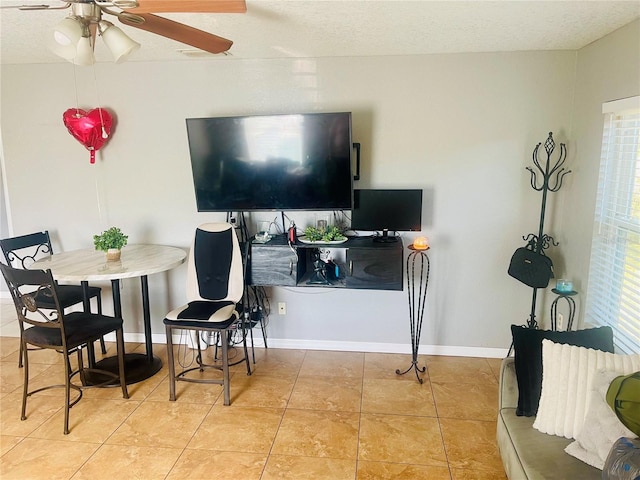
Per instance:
x=204, y=312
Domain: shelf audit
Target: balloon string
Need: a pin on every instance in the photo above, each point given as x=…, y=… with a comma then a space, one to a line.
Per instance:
x=95, y=173
x=75, y=84
x=95, y=82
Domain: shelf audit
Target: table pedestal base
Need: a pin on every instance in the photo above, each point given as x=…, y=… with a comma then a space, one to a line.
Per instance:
x=137, y=367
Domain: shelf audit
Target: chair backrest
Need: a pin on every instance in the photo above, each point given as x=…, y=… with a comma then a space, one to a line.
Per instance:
x=215, y=264
x=25, y=286
x=22, y=251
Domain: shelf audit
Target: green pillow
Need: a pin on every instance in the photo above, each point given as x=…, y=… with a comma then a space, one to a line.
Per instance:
x=623, y=396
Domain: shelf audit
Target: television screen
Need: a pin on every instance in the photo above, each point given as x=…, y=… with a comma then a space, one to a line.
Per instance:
x=387, y=210
x=272, y=162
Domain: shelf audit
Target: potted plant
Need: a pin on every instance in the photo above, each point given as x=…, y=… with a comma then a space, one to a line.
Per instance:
x=328, y=234
x=111, y=241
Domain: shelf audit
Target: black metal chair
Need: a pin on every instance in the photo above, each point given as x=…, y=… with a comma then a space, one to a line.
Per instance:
x=22, y=251
x=215, y=286
x=66, y=334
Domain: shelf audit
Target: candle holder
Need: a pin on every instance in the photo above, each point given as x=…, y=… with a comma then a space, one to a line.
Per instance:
x=564, y=286
x=417, y=292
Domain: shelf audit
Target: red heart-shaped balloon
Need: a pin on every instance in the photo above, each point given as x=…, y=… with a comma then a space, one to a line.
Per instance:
x=92, y=129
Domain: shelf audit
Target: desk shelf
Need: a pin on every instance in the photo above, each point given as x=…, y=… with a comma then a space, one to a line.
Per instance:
x=362, y=264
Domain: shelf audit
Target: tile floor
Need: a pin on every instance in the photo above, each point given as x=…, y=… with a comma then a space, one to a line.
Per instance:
x=303, y=414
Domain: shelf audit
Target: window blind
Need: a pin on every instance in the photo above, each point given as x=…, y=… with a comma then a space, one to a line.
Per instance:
x=613, y=295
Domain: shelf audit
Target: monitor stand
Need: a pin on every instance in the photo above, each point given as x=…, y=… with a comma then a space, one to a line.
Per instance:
x=385, y=238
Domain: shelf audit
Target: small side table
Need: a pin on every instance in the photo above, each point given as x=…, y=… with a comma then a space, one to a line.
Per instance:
x=416, y=303
x=554, y=308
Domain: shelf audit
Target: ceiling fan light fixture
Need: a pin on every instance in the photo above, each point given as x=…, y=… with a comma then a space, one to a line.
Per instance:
x=84, y=52
x=65, y=37
x=119, y=43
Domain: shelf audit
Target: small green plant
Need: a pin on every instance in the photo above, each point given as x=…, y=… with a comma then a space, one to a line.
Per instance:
x=321, y=235
x=112, y=238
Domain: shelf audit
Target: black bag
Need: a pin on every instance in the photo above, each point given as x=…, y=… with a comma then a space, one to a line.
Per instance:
x=531, y=268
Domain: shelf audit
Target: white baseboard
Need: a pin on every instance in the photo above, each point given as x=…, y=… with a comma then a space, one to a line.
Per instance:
x=444, y=350
x=286, y=343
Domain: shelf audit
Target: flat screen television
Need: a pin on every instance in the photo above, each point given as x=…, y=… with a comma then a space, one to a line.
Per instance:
x=272, y=162
x=387, y=211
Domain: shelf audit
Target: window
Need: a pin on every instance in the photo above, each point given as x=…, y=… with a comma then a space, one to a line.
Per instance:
x=613, y=296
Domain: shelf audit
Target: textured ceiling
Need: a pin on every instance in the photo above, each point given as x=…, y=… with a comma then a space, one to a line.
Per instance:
x=316, y=28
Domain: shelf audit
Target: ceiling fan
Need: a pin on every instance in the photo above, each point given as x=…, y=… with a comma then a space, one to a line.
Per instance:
x=74, y=36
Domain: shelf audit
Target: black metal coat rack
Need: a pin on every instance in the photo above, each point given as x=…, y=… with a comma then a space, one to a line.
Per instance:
x=551, y=175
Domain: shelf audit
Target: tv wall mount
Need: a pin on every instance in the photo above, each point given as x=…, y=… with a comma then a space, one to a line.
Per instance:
x=356, y=147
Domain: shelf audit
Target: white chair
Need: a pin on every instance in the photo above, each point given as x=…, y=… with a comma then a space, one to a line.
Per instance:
x=215, y=287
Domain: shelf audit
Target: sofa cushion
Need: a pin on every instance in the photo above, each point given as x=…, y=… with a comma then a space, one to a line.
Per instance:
x=527, y=344
x=568, y=373
x=527, y=453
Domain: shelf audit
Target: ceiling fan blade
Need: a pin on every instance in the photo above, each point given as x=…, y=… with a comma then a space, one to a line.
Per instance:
x=179, y=32
x=191, y=6
x=41, y=6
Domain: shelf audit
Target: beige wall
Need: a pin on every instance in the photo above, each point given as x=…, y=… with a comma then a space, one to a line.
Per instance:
x=608, y=69
x=462, y=127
